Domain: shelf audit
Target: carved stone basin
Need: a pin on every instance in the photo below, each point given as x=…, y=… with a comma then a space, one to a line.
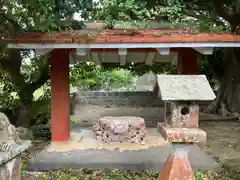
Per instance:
x=120, y=129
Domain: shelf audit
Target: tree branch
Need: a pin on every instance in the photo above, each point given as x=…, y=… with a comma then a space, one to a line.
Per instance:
x=191, y=13
x=12, y=64
x=44, y=77
x=222, y=11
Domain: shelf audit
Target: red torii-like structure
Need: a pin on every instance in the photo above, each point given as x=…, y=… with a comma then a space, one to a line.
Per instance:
x=155, y=43
x=62, y=44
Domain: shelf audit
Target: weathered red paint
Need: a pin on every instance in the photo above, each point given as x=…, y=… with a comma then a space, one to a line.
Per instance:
x=182, y=135
x=187, y=62
x=60, y=95
x=176, y=168
x=194, y=119
x=165, y=35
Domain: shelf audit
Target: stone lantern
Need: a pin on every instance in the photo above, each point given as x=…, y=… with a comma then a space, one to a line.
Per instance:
x=11, y=148
x=181, y=94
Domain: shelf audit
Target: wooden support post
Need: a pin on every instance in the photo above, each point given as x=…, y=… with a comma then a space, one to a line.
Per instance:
x=60, y=95
x=187, y=61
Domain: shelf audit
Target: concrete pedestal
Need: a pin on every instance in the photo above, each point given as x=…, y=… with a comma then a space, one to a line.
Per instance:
x=178, y=135
x=177, y=166
x=10, y=162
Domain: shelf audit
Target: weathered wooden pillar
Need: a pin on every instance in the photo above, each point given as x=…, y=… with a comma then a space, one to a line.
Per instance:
x=60, y=95
x=187, y=61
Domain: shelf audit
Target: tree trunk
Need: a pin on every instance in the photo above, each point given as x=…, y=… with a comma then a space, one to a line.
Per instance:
x=24, y=89
x=227, y=101
x=26, y=99
x=24, y=116
x=11, y=62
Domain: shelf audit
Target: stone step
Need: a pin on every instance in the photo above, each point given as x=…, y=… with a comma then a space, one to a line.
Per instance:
x=126, y=93
x=150, y=159
x=125, y=102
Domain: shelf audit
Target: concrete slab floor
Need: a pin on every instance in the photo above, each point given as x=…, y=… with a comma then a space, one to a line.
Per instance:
x=83, y=151
x=84, y=139
x=151, y=159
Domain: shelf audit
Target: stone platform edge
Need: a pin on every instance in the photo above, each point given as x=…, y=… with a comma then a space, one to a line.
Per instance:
x=14, y=151
x=181, y=135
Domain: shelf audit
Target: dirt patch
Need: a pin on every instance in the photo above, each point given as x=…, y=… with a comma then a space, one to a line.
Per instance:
x=223, y=141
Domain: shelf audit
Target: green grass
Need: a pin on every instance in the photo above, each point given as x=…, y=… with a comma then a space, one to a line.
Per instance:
x=89, y=174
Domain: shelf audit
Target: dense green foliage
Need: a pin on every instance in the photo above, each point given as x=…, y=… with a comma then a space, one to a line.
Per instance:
x=89, y=77
x=21, y=16
x=170, y=13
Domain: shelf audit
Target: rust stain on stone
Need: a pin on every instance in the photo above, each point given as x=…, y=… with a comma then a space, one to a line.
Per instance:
x=86, y=140
x=193, y=122
x=176, y=168
x=195, y=135
x=122, y=129
x=17, y=170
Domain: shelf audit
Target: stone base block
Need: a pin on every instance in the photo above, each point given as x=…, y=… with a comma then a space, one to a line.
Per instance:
x=177, y=166
x=190, y=135
x=10, y=161
x=120, y=129
x=11, y=169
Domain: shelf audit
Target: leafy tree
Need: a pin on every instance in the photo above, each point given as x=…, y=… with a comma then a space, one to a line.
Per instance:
x=46, y=16
x=88, y=76
x=125, y=10
x=18, y=16
x=226, y=14
x=208, y=16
